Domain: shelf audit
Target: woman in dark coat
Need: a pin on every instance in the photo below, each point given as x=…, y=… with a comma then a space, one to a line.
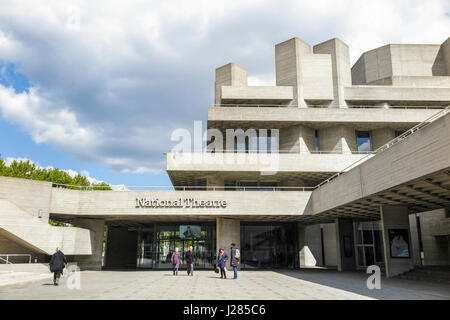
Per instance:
x=222, y=259
x=175, y=261
x=57, y=263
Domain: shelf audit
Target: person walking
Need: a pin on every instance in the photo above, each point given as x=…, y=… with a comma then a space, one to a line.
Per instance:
x=56, y=265
x=190, y=260
x=175, y=262
x=235, y=259
x=222, y=259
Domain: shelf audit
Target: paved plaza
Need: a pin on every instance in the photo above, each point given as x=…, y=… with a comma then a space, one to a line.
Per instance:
x=278, y=285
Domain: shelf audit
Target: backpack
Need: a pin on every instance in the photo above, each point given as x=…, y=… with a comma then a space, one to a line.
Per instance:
x=237, y=254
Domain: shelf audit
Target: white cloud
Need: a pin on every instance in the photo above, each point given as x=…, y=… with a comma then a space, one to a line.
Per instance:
x=111, y=80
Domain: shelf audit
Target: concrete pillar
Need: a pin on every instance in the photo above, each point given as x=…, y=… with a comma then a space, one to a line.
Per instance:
x=445, y=48
x=381, y=136
x=297, y=139
x=329, y=244
x=213, y=182
x=288, y=55
x=415, y=246
x=228, y=231
x=395, y=218
x=339, y=139
x=340, y=59
x=96, y=227
x=310, y=246
x=435, y=249
x=345, y=244
x=229, y=75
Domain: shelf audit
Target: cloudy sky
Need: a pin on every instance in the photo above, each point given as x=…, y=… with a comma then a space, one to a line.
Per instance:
x=98, y=86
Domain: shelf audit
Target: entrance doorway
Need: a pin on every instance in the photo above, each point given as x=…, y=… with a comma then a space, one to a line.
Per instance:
x=157, y=242
x=269, y=246
x=369, y=244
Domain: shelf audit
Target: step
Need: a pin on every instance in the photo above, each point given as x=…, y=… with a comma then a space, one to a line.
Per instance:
x=23, y=277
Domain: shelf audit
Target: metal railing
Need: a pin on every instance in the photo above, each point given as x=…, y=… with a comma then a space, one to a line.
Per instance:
x=390, y=143
x=185, y=188
x=7, y=261
x=360, y=106
x=265, y=152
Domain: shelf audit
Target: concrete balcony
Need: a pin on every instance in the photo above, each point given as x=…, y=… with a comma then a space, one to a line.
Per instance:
x=396, y=95
x=269, y=94
x=278, y=117
x=297, y=168
x=173, y=205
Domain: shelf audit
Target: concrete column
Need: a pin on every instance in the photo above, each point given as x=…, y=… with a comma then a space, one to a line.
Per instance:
x=445, y=48
x=415, y=247
x=340, y=59
x=395, y=217
x=435, y=249
x=228, y=231
x=96, y=227
x=214, y=181
x=298, y=138
x=329, y=244
x=229, y=75
x=381, y=136
x=339, y=138
x=344, y=233
x=310, y=246
x=288, y=55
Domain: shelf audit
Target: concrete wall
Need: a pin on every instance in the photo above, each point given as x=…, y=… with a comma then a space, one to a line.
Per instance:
x=121, y=248
x=227, y=231
x=339, y=138
x=369, y=118
x=229, y=75
x=298, y=138
x=102, y=204
x=423, y=153
x=330, y=245
x=415, y=244
x=435, y=249
x=310, y=246
x=24, y=195
x=381, y=136
x=94, y=260
x=344, y=228
x=395, y=217
x=276, y=93
x=340, y=59
x=288, y=55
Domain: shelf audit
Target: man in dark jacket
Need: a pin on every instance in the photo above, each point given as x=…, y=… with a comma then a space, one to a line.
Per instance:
x=190, y=260
x=57, y=263
x=235, y=259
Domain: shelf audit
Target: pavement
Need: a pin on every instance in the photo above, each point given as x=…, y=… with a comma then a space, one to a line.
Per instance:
x=206, y=285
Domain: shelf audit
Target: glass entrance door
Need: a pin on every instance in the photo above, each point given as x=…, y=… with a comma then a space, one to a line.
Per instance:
x=369, y=244
x=168, y=238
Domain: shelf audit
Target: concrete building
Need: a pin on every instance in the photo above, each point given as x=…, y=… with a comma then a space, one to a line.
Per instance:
x=335, y=166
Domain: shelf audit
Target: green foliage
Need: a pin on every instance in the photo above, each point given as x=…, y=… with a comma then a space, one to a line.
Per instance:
x=28, y=170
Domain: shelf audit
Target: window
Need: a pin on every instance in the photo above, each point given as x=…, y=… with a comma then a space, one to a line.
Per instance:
x=316, y=137
x=363, y=141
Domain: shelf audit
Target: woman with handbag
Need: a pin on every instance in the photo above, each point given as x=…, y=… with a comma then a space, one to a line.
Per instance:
x=222, y=259
x=175, y=261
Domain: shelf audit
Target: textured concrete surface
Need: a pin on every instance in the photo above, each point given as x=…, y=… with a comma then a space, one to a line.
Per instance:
x=283, y=285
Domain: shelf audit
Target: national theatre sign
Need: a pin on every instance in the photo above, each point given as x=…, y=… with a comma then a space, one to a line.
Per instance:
x=180, y=203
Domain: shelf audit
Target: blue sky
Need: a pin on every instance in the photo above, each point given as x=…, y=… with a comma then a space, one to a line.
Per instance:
x=100, y=86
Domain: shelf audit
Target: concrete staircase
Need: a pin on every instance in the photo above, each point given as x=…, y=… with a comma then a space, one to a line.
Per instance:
x=31, y=232
x=437, y=274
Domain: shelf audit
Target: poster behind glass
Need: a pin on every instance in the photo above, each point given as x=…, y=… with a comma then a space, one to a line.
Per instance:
x=399, y=243
x=190, y=231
